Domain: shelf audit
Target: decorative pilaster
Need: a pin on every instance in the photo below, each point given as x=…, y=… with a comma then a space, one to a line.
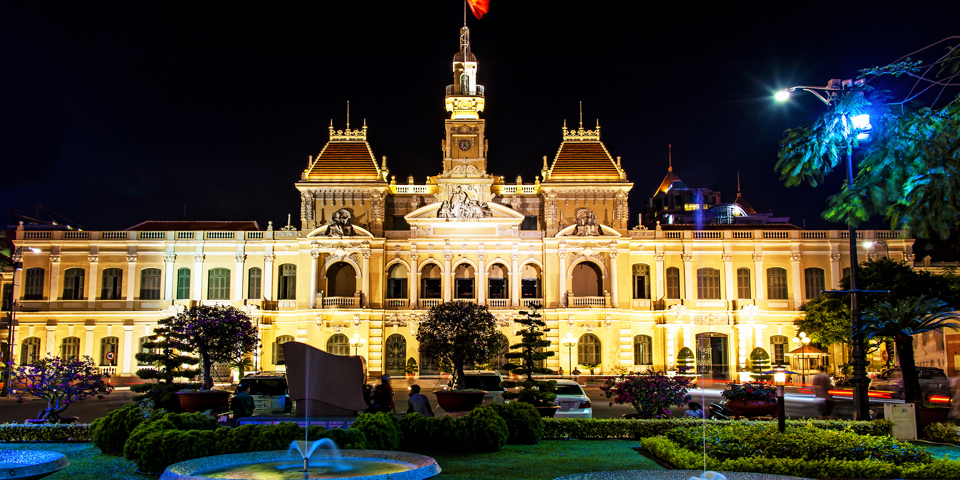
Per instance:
x=759, y=275
x=365, y=289
x=267, y=276
x=168, y=276
x=447, y=277
x=481, y=279
x=661, y=279
x=414, y=279
x=515, y=280
x=131, y=279
x=795, y=274
x=198, y=272
x=314, y=267
x=613, y=278
x=562, y=295
x=127, y=363
x=238, y=277
x=729, y=288
x=688, y=278
x=94, y=281
x=54, y=277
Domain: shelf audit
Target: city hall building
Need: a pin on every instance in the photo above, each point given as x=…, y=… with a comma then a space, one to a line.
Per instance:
x=372, y=254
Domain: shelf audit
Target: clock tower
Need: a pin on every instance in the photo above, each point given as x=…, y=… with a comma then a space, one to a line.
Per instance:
x=464, y=148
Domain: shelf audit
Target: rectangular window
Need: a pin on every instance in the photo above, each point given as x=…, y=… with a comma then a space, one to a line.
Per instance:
x=708, y=283
x=464, y=287
x=777, y=284
x=530, y=222
x=814, y=280
x=253, y=283
x=73, y=284
x=70, y=350
x=778, y=344
x=183, y=284
x=641, y=281
x=218, y=284
x=112, y=288
x=673, y=282
x=498, y=288
x=7, y=296
x=150, y=284
x=743, y=283
x=33, y=284
x=430, y=288
x=530, y=288
x=396, y=288
x=288, y=282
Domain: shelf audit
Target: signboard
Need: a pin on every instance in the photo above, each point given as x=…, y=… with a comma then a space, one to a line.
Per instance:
x=953, y=354
x=904, y=418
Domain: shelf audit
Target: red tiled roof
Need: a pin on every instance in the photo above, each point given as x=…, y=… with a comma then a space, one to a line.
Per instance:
x=344, y=161
x=187, y=225
x=583, y=161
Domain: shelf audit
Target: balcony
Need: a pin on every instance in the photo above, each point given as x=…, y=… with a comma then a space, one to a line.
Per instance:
x=396, y=303
x=588, y=302
x=498, y=303
x=476, y=91
x=430, y=302
x=341, y=302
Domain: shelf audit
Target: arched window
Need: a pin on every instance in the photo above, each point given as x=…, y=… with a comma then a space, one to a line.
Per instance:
x=463, y=281
x=673, y=282
x=287, y=286
x=278, y=350
x=253, y=283
x=708, y=283
x=109, y=348
x=778, y=345
x=588, y=349
x=29, y=350
x=642, y=350
x=183, y=284
x=530, y=281
x=150, y=284
x=112, y=286
x=341, y=280
x=70, y=348
x=777, y=283
x=73, y=284
x=338, y=344
x=498, y=281
x=33, y=284
x=743, y=283
x=142, y=349
x=814, y=281
x=587, y=280
x=397, y=281
x=641, y=281
x=430, y=281
x=218, y=284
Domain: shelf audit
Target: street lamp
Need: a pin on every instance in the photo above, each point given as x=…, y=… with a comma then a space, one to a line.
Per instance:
x=11, y=331
x=357, y=342
x=867, y=244
x=780, y=379
x=859, y=129
x=803, y=340
x=569, y=342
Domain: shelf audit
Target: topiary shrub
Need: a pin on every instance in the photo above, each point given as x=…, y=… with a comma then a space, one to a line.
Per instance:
x=942, y=432
x=381, y=430
x=148, y=436
x=109, y=433
x=482, y=430
x=523, y=421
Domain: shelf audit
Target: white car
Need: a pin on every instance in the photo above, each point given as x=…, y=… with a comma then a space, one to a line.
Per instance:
x=269, y=392
x=485, y=380
x=572, y=400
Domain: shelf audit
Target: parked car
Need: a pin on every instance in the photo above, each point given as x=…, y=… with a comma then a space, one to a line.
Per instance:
x=485, y=380
x=269, y=392
x=573, y=401
x=933, y=381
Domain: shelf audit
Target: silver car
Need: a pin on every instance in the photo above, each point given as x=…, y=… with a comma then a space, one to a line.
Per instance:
x=572, y=400
x=269, y=392
x=485, y=380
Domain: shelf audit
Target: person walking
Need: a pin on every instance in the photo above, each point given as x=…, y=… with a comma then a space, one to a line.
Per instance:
x=382, y=396
x=242, y=403
x=419, y=403
x=576, y=374
x=821, y=389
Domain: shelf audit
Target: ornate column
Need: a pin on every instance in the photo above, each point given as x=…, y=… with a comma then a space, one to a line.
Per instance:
x=131, y=278
x=238, y=281
x=447, y=277
x=414, y=279
x=562, y=297
x=198, y=275
x=268, y=276
x=835, y=274
x=127, y=350
x=168, y=276
x=688, y=278
x=661, y=280
x=613, y=279
x=94, y=281
x=795, y=273
x=50, y=346
x=729, y=287
x=314, y=266
x=515, y=280
x=365, y=289
x=758, y=275
x=481, y=279
x=54, y=277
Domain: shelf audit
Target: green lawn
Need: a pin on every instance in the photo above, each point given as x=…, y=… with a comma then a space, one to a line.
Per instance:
x=547, y=460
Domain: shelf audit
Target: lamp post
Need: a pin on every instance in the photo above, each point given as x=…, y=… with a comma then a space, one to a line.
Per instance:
x=357, y=342
x=803, y=340
x=569, y=342
x=780, y=379
x=860, y=129
x=867, y=244
x=11, y=327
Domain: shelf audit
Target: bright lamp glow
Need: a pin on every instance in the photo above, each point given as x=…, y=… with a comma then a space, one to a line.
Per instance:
x=862, y=124
x=780, y=378
x=782, y=95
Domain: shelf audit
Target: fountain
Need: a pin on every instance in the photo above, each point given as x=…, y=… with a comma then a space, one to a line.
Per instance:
x=286, y=465
x=30, y=465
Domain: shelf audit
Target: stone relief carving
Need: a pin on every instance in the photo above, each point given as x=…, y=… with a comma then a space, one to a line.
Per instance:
x=460, y=205
x=340, y=224
x=587, y=224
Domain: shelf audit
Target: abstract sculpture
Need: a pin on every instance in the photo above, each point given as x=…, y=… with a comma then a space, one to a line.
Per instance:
x=323, y=384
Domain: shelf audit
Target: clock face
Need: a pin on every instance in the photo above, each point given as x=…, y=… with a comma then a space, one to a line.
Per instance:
x=464, y=145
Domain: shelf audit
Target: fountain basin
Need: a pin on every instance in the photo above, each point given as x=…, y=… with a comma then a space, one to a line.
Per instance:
x=30, y=465
x=418, y=466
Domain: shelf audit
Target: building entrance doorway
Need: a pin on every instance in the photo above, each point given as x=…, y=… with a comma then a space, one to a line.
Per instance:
x=712, y=352
x=395, y=357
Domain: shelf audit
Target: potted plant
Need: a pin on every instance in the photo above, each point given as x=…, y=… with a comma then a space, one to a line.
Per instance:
x=685, y=361
x=524, y=360
x=217, y=334
x=169, y=364
x=751, y=399
x=411, y=368
x=460, y=333
x=651, y=394
x=60, y=382
x=759, y=363
x=591, y=367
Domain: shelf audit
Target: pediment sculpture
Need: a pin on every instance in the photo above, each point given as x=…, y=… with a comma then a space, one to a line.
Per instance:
x=460, y=205
x=339, y=224
x=587, y=224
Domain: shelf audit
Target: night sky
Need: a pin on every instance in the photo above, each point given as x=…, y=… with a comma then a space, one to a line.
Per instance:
x=121, y=112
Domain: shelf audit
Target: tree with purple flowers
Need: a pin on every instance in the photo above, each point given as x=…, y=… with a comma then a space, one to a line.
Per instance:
x=60, y=382
x=651, y=394
x=217, y=334
x=462, y=333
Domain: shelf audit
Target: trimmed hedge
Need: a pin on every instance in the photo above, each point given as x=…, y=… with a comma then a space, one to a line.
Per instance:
x=566, y=428
x=109, y=433
x=49, y=433
x=482, y=430
x=943, y=433
x=523, y=420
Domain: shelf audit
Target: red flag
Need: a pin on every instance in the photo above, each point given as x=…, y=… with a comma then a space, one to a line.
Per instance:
x=479, y=7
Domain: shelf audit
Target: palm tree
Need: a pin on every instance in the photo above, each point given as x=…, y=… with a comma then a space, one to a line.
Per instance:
x=900, y=321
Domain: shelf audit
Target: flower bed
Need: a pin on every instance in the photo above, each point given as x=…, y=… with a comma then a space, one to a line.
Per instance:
x=650, y=394
x=566, y=428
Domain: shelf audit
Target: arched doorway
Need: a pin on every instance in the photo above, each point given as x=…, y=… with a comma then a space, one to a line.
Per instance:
x=431, y=281
x=497, y=281
x=395, y=355
x=587, y=280
x=341, y=280
x=588, y=350
x=712, y=353
x=397, y=281
x=464, y=282
x=530, y=282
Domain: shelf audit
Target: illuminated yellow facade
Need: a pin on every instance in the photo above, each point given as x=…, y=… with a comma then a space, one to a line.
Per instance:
x=372, y=255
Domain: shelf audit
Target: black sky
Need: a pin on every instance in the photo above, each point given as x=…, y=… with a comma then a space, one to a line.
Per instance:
x=118, y=112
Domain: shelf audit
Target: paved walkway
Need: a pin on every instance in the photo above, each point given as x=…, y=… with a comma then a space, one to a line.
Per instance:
x=670, y=475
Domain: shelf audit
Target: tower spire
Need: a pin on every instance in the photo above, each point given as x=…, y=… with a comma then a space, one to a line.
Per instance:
x=348, y=114
x=738, y=183
x=669, y=157
x=581, y=114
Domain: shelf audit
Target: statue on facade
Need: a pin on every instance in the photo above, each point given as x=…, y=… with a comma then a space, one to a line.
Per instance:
x=587, y=223
x=460, y=205
x=339, y=224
